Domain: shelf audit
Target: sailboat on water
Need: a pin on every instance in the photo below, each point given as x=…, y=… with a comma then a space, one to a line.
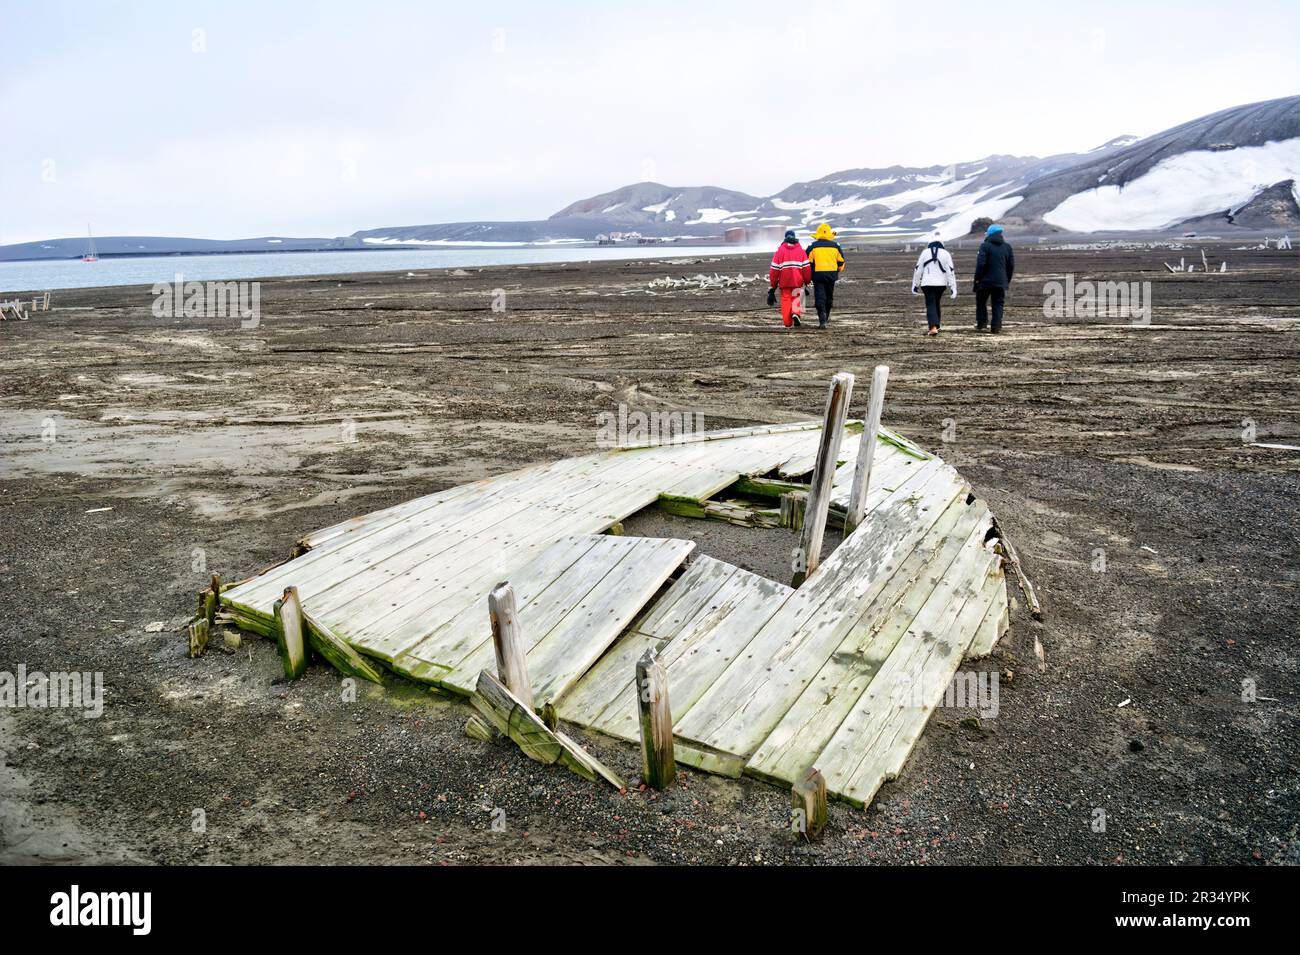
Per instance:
x=90, y=255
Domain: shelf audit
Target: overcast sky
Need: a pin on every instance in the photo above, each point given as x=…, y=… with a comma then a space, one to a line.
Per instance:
x=234, y=119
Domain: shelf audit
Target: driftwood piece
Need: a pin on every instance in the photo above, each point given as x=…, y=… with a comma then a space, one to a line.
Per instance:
x=808, y=805
x=658, y=767
x=289, y=633
x=819, y=494
x=511, y=717
x=1009, y=552
x=508, y=640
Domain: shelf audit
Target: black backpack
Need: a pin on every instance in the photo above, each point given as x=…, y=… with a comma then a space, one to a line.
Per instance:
x=934, y=257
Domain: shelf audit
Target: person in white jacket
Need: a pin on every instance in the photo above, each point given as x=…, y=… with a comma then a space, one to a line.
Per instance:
x=934, y=273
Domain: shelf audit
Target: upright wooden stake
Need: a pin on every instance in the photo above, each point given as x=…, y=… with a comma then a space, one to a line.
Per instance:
x=658, y=767
x=808, y=805
x=212, y=601
x=289, y=629
x=866, y=451
x=508, y=639
x=808, y=554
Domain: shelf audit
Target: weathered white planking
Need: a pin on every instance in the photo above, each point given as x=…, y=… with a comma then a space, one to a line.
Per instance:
x=812, y=720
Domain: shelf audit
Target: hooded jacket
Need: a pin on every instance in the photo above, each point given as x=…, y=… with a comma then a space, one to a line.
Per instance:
x=825, y=254
x=790, y=266
x=935, y=267
x=995, y=263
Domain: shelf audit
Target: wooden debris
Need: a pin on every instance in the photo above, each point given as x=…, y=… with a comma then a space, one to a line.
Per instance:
x=549, y=716
x=793, y=504
x=508, y=640
x=334, y=649
x=808, y=805
x=867, y=450
x=658, y=768
x=511, y=717
x=212, y=600
x=1009, y=552
x=289, y=633
x=199, y=631
x=478, y=728
x=808, y=555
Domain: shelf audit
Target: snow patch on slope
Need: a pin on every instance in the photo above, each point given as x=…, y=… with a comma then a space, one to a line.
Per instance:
x=1181, y=187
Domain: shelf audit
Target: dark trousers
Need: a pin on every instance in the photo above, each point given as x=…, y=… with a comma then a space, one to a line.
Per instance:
x=823, y=296
x=933, y=303
x=982, y=295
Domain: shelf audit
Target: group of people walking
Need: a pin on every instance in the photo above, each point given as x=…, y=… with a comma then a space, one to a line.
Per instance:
x=795, y=268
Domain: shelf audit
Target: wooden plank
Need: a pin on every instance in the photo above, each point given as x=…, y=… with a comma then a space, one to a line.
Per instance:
x=745, y=704
x=830, y=696
x=583, y=634
x=995, y=622
x=540, y=587
x=862, y=470
x=902, y=726
x=703, y=648
x=456, y=580
x=543, y=614
x=819, y=492
x=334, y=649
x=686, y=596
x=512, y=718
x=606, y=680
x=941, y=626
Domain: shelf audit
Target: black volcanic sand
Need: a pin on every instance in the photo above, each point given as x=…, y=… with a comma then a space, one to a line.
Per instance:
x=218, y=446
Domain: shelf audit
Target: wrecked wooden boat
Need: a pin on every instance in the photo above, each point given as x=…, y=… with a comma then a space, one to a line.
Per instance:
x=838, y=669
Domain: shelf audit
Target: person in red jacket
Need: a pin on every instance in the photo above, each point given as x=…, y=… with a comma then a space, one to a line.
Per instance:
x=790, y=272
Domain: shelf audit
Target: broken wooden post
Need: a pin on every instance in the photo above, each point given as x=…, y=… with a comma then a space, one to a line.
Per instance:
x=808, y=554
x=866, y=451
x=199, y=631
x=808, y=805
x=658, y=767
x=792, y=509
x=508, y=639
x=289, y=627
x=212, y=601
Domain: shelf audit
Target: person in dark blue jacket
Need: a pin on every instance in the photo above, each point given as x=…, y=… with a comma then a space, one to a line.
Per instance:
x=994, y=266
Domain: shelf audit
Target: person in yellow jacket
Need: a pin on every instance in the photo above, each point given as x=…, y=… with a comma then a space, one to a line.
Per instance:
x=827, y=260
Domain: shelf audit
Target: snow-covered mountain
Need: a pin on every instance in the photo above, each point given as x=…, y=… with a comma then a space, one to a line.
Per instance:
x=1207, y=171
x=1234, y=169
